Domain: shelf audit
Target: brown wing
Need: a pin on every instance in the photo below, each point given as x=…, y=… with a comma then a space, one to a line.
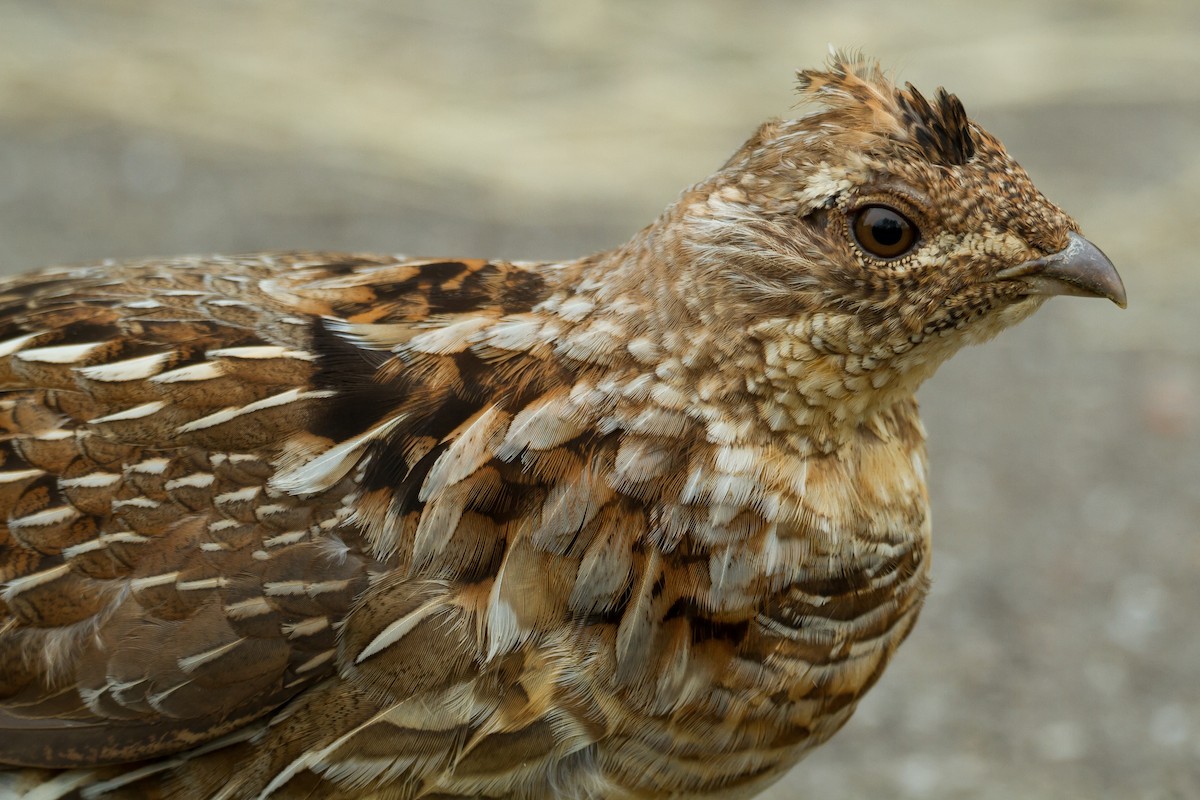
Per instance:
x=161, y=581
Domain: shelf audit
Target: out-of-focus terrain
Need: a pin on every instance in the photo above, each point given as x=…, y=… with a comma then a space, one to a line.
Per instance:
x=1059, y=653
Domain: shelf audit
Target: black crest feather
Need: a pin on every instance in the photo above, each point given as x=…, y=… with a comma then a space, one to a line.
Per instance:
x=940, y=129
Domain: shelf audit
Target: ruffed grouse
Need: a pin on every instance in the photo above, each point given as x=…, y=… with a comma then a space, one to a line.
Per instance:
x=644, y=524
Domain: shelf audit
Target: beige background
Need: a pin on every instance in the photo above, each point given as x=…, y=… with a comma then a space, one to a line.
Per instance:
x=1059, y=654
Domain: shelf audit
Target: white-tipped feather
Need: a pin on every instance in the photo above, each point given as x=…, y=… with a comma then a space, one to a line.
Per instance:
x=131, y=369
x=397, y=630
x=61, y=354
x=472, y=446
x=322, y=471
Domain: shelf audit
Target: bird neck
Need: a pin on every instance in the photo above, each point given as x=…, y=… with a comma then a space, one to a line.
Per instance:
x=815, y=378
x=800, y=379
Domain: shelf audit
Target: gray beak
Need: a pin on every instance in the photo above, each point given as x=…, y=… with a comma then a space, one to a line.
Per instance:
x=1078, y=269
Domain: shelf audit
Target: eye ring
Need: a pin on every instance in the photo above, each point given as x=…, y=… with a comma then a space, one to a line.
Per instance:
x=883, y=232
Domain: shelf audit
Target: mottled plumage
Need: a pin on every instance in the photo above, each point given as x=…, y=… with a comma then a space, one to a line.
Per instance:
x=644, y=524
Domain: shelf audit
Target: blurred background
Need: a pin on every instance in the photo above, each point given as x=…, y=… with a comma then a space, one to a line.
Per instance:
x=1059, y=652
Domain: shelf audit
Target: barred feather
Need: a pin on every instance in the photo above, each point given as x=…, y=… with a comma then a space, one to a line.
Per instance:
x=643, y=524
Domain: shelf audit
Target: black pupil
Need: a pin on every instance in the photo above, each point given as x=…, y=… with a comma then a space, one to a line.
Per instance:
x=887, y=230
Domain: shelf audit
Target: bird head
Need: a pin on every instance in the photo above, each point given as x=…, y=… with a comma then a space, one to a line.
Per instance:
x=876, y=235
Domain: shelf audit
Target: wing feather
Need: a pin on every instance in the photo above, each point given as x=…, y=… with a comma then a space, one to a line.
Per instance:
x=173, y=550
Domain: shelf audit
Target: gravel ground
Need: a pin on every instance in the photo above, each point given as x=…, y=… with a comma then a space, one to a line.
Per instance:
x=1058, y=654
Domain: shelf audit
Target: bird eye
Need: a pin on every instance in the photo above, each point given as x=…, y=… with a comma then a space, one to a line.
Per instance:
x=883, y=232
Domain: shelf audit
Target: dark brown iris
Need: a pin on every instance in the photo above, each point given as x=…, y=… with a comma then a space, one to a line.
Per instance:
x=883, y=232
